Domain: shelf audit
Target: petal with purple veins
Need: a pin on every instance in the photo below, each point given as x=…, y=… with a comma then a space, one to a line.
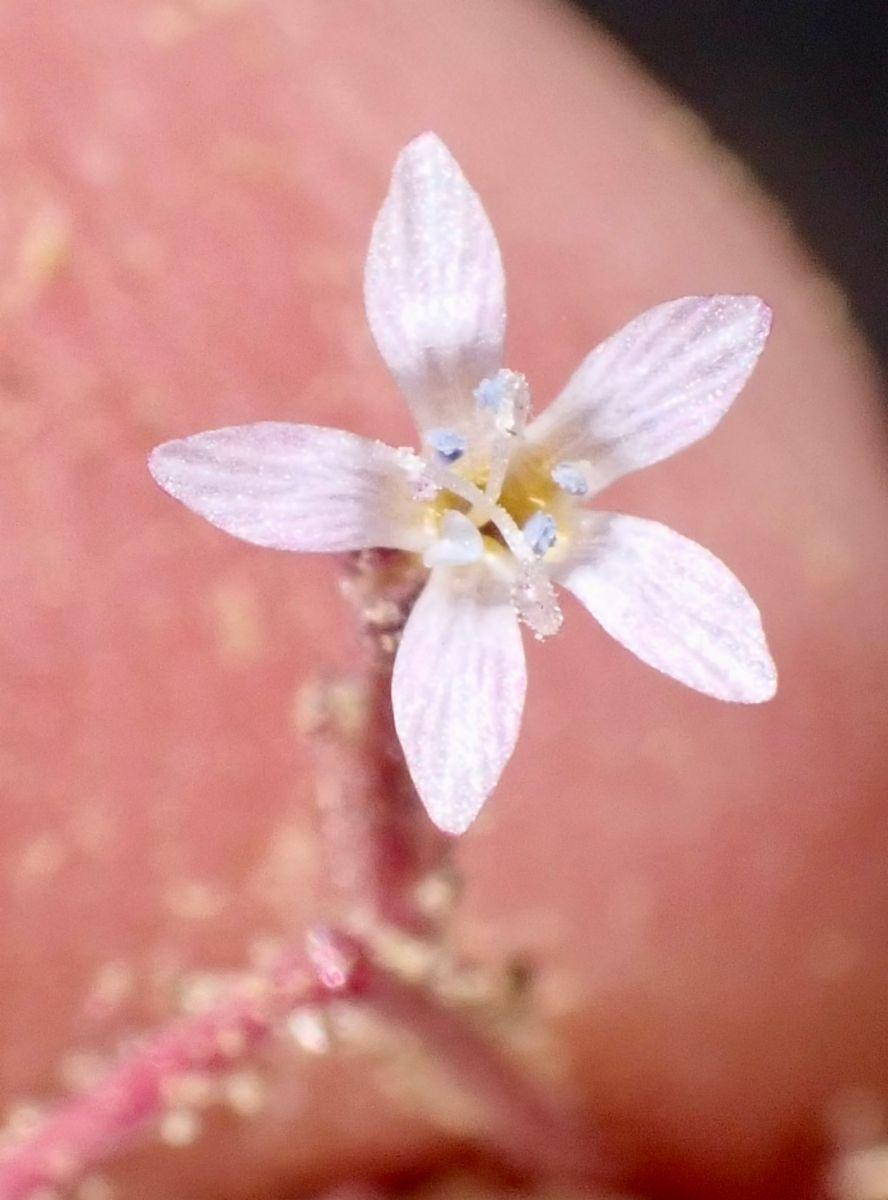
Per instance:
x=458, y=692
x=294, y=487
x=674, y=604
x=433, y=286
x=656, y=386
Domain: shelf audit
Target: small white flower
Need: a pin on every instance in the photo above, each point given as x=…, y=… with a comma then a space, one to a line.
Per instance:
x=496, y=506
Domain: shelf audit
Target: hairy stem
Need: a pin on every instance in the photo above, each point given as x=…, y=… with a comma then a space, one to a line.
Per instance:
x=379, y=842
x=98, y=1122
x=519, y=1126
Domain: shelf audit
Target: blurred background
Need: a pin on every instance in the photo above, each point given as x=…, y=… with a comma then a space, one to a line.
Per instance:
x=800, y=92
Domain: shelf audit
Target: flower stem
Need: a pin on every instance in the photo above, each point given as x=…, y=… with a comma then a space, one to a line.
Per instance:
x=518, y=1125
x=379, y=842
x=84, y=1130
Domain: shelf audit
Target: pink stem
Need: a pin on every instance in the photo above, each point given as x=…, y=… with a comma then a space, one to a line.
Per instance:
x=90, y=1126
x=379, y=841
x=522, y=1127
x=530, y=1131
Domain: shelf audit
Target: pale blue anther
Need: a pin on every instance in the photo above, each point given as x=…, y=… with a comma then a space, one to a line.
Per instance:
x=570, y=479
x=447, y=444
x=489, y=393
x=540, y=532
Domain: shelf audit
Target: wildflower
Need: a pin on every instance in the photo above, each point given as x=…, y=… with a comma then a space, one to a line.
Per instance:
x=495, y=504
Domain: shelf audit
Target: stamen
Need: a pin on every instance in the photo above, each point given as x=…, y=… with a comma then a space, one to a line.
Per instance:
x=507, y=396
x=504, y=397
x=540, y=532
x=447, y=444
x=458, y=544
x=570, y=478
x=482, y=509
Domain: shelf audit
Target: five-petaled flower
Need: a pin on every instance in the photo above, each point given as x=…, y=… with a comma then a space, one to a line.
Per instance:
x=495, y=504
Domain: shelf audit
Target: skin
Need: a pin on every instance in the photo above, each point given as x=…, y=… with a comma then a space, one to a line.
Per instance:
x=186, y=193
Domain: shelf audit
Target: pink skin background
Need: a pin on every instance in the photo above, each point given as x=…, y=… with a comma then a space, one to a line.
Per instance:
x=186, y=194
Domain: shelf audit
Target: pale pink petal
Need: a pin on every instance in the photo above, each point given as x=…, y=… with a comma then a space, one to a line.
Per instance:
x=433, y=285
x=673, y=604
x=661, y=383
x=458, y=692
x=293, y=487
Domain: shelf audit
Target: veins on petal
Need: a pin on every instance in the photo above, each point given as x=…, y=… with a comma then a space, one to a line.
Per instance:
x=458, y=692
